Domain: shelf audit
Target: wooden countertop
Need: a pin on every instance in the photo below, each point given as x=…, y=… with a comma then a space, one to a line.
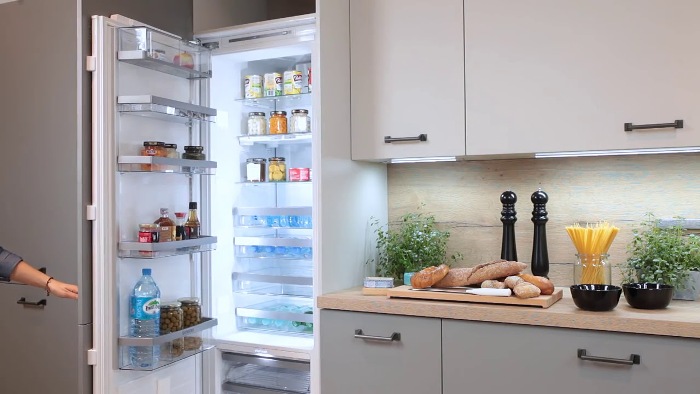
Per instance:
x=680, y=319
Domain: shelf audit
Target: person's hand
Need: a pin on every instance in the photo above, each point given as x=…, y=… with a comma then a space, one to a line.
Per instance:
x=63, y=290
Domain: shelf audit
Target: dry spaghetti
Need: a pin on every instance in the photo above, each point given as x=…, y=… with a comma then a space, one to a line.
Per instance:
x=592, y=242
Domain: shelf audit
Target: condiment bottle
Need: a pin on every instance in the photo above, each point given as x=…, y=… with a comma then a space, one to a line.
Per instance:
x=167, y=226
x=180, y=233
x=192, y=224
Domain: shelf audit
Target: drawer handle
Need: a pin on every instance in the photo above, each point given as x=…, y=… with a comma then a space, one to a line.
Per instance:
x=389, y=139
x=394, y=337
x=678, y=124
x=634, y=358
x=39, y=304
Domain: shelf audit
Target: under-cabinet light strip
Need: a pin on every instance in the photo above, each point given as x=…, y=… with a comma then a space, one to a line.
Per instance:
x=423, y=159
x=654, y=151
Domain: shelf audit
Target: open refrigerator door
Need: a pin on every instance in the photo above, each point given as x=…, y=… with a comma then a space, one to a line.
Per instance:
x=261, y=282
x=149, y=89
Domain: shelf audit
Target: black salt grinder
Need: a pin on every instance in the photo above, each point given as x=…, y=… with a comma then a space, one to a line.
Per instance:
x=508, y=251
x=540, y=257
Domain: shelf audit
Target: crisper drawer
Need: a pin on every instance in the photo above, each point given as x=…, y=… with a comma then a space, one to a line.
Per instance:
x=374, y=353
x=501, y=357
x=253, y=375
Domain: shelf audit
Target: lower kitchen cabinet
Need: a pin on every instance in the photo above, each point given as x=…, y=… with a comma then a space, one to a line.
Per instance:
x=375, y=353
x=506, y=358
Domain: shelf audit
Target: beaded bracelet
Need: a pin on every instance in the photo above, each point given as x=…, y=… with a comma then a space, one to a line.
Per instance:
x=48, y=291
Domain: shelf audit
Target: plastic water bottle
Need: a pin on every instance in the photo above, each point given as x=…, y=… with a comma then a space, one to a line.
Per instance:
x=145, y=320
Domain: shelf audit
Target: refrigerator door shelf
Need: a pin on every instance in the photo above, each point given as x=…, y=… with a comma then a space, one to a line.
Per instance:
x=278, y=102
x=275, y=140
x=164, y=342
x=163, y=52
x=165, y=165
x=165, y=109
x=141, y=250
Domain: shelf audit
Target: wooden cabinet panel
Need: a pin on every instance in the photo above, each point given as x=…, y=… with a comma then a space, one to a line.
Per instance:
x=504, y=358
x=407, y=78
x=550, y=76
x=408, y=364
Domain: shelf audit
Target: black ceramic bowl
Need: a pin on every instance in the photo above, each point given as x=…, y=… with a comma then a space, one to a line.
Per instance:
x=596, y=297
x=648, y=295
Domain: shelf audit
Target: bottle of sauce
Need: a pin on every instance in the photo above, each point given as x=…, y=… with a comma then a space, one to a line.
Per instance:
x=167, y=226
x=192, y=224
x=180, y=218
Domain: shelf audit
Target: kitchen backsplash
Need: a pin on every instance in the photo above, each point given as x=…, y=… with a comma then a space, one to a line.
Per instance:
x=464, y=197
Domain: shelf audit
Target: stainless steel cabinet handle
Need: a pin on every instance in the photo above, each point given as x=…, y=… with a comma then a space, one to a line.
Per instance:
x=678, y=124
x=389, y=139
x=634, y=358
x=394, y=337
x=39, y=304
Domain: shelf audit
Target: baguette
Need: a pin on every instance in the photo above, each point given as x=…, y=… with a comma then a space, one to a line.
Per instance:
x=494, y=270
x=455, y=277
x=429, y=276
x=545, y=285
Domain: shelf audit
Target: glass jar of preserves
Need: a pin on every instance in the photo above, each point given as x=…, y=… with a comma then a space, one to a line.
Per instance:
x=192, y=316
x=172, y=320
x=255, y=169
x=153, y=148
x=277, y=169
x=278, y=122
x=148, y=233
x=257, y=124
x=171, y=150
x=194, y=152
x=300, y=122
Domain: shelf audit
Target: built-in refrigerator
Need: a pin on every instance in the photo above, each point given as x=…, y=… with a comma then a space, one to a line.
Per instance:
x=256, y=266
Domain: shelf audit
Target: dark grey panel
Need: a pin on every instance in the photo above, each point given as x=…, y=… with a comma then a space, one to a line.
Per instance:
x=43, y=351
x=84, y=370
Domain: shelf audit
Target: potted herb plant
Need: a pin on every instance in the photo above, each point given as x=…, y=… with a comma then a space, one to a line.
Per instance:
x=664, y=255
x=409, y=245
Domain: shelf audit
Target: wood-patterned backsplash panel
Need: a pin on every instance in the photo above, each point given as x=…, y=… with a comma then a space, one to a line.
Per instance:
x=464, y=197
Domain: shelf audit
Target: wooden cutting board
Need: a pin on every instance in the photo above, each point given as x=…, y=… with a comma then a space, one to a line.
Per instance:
x=543, y=301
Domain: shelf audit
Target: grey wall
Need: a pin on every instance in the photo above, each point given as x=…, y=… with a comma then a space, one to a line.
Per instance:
x=217, y=14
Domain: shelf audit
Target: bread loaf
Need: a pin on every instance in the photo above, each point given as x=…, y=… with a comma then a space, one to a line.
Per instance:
x=513, y=281
x=526, y=290
x=545, y=285
x=429, y=276
x=494, y=270
x=493, y=284
x=455, y=277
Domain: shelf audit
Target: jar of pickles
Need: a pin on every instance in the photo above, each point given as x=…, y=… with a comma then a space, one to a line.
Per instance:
x=194, y=152
x=299, y=122
x=278, y=122
x=192, y=316
x=277, y=169
x=257, y=124
x=172, y=320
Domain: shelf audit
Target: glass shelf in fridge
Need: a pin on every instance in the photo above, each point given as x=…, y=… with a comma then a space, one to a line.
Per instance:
x=278, y=102
x=275, y=140
x=191, y=336
x=144, y=250
x=285, y=314
x=165, y=165
x=165, y=109
x=288, y=276
x=155, y=50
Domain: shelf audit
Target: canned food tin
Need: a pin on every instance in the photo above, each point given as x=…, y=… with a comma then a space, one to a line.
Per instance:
x=292, y=82
x=273, y=84
x=298, y=174
x=253, y=87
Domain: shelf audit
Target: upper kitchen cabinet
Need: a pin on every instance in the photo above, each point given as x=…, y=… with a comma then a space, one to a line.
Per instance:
x=407, y=85
x=553, y=76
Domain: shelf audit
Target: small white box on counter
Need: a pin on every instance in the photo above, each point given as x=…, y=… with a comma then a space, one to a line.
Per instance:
x=379, y=282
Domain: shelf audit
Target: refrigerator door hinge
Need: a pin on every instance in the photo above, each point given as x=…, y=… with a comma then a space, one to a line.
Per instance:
x=90, y=62
x=91, y=212
x=92, y=356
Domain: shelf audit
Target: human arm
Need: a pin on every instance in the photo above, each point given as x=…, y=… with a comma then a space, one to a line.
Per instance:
x=12, y=267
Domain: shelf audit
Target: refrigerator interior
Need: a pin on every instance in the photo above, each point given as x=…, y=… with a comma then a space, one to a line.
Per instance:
x=262, y=272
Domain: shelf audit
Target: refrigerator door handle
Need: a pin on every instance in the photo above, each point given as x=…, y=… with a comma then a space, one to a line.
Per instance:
x=39, y=304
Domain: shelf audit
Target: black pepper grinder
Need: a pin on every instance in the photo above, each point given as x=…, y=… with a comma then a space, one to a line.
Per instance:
x=508, y=251
x=540, y=257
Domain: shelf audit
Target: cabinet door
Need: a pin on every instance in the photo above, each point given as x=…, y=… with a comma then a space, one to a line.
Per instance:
x=407, y=69
x=501, y=358
x=410, y=363
x=550, y=76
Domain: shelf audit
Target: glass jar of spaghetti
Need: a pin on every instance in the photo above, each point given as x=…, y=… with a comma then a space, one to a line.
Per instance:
x=278, y=122
x=592, y=269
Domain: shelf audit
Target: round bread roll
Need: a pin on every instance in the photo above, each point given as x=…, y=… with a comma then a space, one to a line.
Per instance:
x=545, y=285
x=429, y=276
